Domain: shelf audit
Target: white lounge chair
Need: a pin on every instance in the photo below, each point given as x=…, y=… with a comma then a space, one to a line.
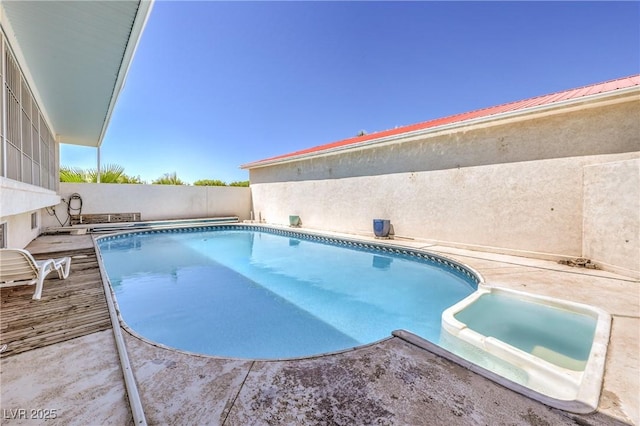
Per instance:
x=18, y=267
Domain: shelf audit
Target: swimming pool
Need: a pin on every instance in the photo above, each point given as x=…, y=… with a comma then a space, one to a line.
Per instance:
x=246, y=291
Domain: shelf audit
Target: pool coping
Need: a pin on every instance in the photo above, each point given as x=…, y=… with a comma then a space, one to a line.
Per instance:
x=133, y=394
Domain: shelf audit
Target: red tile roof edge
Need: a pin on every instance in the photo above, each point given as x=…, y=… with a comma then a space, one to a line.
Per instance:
x=522, y=105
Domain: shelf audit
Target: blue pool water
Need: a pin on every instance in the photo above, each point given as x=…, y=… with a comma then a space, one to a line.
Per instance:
x=248, y=293
x=561, y=337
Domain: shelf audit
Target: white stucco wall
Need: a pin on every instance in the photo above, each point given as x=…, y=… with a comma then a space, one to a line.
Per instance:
x=17, y=202
x=17, y=197
x=19, y=231
x=156, y=202
x=528, y=208
x=612, y=215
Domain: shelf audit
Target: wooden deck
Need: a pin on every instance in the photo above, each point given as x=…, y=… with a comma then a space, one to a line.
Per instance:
x=68, y=309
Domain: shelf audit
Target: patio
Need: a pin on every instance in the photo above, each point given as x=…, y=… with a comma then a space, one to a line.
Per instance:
x=389, y=382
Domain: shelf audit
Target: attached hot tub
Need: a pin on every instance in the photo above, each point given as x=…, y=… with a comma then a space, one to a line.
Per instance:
x=554, y=349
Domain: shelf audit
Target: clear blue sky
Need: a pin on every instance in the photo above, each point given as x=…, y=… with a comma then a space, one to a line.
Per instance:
x=218, y=84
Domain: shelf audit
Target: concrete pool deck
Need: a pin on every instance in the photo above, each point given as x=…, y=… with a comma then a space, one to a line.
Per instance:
x=390, y=382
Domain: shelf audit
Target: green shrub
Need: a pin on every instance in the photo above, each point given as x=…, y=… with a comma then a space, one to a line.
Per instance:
x=209, y=182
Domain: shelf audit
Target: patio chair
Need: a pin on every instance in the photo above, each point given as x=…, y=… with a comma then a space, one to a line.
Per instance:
x=18, y=267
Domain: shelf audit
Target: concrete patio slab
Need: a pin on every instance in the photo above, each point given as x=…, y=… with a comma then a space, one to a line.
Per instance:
x=77, y=382
x=620, y=390
x=177, y=388
x=389, y=383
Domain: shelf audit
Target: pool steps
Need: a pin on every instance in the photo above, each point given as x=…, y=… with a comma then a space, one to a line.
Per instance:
x=574, y=389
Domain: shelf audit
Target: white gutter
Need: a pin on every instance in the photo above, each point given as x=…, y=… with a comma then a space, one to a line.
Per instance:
x=535, y=110
x=139, y=22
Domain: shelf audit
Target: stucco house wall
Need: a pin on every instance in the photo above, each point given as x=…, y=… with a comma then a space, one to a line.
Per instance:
x=513, y=186
x=611, y=215
x=592, y=130
x=18, y=202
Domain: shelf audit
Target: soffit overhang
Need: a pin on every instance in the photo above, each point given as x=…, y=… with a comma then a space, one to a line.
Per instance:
x=75, y=56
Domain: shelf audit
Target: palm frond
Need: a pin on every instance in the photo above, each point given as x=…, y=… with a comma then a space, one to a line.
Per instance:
x=72, y=174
